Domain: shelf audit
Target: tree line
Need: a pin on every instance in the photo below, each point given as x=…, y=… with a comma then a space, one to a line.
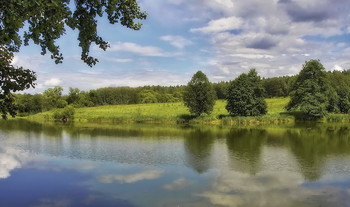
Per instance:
x=245, y=94
x=54, y=98
x=313, y=92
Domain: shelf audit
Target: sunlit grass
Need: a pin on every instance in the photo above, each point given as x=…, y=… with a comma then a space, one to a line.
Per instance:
x=171, y=113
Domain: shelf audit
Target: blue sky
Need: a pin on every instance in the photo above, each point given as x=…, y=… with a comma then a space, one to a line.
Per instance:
x=223, y=38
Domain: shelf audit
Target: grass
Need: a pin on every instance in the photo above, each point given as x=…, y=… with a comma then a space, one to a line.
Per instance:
x=171, y=113
x=177, y=113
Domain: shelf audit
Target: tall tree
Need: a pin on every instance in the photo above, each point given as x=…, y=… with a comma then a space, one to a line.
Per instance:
x=311, y=93
x=199, y=95
x=245, y=96
x=44, y=22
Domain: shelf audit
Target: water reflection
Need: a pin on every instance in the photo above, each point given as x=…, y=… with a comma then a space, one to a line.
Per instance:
x=120, y=165
x=9, y=161
x=312, y=146
x=245, y=149
x=198, y=146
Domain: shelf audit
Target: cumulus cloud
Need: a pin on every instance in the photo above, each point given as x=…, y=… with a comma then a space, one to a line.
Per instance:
x=220, y=25
x=337, y=68
x=52, y=82
x=131, y=178
x=176, y=41
x=283, y=29
x=140, y=50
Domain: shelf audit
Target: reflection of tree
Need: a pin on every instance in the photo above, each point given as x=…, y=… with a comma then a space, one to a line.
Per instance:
x=244, y=146
x=312, y=146
x=23, y=125
x=198, y=145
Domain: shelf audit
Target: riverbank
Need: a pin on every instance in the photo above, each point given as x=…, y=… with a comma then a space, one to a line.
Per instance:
x=177, y=113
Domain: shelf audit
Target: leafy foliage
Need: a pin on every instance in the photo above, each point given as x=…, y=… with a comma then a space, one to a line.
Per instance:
x=199, y=95
x=12, y=79
x=245, y=96
x=311, y=93
x=65, y=114
x=45, y=21
x=276, y=86
x=53, y=98
x=340, y=81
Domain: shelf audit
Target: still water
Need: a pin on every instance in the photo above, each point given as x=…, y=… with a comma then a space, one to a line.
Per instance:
x=139, y=166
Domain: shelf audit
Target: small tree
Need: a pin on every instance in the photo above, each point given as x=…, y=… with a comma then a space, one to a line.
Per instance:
x=199, y=95
x=245, y=96
x=311, y=93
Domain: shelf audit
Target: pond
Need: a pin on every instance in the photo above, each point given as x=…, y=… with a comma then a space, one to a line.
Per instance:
x=140, y=166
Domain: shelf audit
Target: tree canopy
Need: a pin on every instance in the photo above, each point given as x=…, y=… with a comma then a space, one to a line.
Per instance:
x=45, y=21
x=245, y=95
x=311, y=92
x=199, y=95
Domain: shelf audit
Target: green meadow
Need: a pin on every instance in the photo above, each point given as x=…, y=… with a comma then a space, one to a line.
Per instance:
x=171, y=113
x=177, y=113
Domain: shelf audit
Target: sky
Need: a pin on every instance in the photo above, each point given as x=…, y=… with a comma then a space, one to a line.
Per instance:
x=223, y=38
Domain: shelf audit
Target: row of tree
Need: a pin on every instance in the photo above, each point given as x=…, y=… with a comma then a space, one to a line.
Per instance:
x=313, y=92
x=244, y=95
x=53, y=97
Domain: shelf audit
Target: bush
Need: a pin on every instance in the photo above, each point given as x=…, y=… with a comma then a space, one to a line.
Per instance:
x=65, y=114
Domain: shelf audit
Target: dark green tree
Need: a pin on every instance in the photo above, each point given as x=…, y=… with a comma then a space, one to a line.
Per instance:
x=245, y=96
x=199, y=95
x=276, y=87
x=12, y=79
x=340, y=82
x=311, y=93
x=44, y=22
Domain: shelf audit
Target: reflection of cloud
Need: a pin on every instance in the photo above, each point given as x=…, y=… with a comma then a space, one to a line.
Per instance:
x=49, y=202
x=8, y=162
x=132, y=178
x=177, y=184
x=265, y=189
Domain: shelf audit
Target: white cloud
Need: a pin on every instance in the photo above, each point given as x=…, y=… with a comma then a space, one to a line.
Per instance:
x=52, y=82
x=337, y=68
x=220, y=25
x=119, y=60
x=140, y=50
x=132, y=178
x=176, y=41
x=253, y=56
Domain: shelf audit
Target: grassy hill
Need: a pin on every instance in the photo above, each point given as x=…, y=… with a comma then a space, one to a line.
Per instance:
x=171, y=113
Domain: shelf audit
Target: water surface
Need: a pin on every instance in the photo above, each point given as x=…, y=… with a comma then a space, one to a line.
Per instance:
x=121, y=165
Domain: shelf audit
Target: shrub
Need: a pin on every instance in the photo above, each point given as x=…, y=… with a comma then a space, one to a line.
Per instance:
x=65, y=114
